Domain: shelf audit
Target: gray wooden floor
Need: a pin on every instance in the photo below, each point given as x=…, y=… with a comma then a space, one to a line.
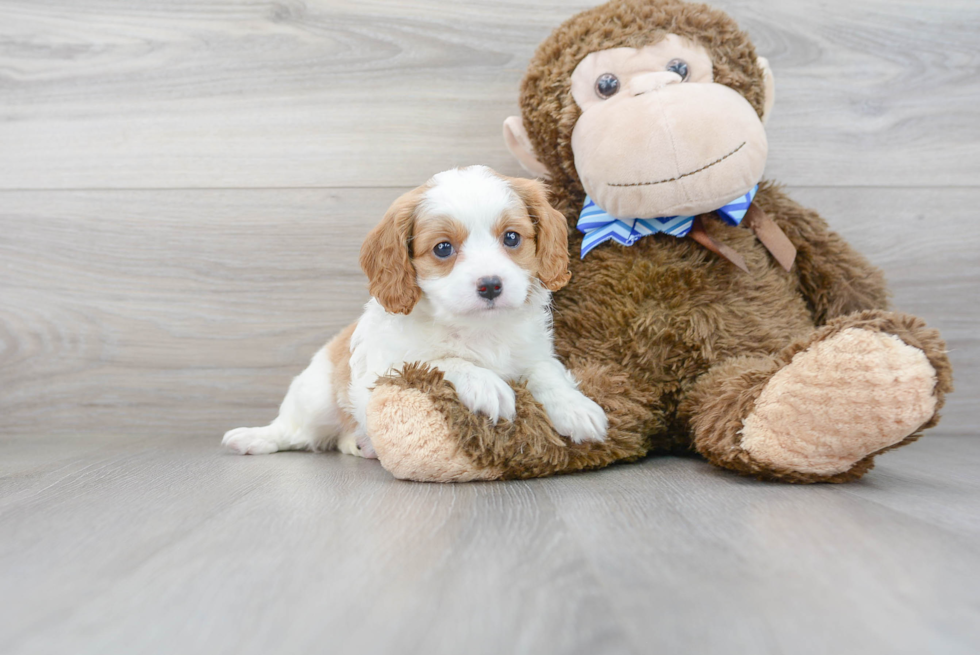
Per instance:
x=183, y=191
x=127, y=545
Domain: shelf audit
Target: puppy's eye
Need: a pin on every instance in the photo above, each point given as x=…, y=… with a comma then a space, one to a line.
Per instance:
x=607, y=85
x=443, y=250
x=678, y=66
x=512, y=239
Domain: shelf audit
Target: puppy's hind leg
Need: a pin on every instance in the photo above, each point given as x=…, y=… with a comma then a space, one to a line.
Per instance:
x=309, y=418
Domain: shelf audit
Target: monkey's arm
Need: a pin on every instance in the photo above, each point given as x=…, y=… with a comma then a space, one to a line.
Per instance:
x=834, y=278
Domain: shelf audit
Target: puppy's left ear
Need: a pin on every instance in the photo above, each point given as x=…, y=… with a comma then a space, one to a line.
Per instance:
x=551, y=233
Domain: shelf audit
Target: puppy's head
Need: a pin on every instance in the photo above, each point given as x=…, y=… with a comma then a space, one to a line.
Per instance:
x=472, y=240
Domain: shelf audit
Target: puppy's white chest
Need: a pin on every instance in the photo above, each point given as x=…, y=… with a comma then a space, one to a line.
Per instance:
x=493, y=349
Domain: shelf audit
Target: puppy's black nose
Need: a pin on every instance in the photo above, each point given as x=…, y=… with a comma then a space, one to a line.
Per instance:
x=489, y=287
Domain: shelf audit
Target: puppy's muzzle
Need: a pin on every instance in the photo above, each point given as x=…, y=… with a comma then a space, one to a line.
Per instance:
x=489, y=287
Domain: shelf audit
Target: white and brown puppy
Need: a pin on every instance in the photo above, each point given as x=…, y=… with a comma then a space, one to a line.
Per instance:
x=461, y=272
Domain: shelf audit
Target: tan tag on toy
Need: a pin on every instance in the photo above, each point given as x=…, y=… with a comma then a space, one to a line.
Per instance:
x=698, y=234
x=773, y=238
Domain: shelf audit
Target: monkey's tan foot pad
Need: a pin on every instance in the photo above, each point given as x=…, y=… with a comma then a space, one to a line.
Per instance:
x=839, y=401
x=413, y=441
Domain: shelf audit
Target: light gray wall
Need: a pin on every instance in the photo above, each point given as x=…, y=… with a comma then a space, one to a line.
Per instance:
x=183, y=188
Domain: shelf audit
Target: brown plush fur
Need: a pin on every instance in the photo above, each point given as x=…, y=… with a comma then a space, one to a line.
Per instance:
x=672, y=341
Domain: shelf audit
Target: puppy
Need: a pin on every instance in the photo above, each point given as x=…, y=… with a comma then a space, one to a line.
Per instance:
x=461, y=273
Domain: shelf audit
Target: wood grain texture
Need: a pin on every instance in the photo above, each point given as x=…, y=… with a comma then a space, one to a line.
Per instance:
x=330, y=93
x=172, y=546
x=176, y=312
x=163, y=311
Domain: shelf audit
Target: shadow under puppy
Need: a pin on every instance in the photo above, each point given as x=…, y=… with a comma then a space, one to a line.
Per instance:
x=461, y=272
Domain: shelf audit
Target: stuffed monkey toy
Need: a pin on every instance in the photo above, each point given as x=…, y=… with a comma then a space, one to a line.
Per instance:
x=706, y=310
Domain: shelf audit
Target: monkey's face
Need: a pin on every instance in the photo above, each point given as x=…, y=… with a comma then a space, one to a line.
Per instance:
x=658, y=137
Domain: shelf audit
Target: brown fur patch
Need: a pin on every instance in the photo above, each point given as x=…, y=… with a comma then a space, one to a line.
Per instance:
x=524, y=255
x=429, y=232
x=338, y=353
x=551, y=232
x=386, y=256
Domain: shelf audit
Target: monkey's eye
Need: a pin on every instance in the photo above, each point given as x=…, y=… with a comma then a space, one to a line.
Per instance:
x=678, y=66
x=512, y=239
x=607, y=85
x=443, y=250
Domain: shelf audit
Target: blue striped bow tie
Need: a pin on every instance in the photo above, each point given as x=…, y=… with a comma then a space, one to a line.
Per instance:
x=599, y=227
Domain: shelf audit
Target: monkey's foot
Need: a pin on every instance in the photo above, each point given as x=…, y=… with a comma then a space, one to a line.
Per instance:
x=840, y=400
x=413, y=440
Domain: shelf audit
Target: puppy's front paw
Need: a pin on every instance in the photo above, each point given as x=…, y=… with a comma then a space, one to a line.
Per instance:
x=485, y=392
x=577, y=417
x=252, y=441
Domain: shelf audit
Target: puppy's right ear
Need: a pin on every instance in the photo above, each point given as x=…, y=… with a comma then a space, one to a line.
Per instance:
x=386, y=256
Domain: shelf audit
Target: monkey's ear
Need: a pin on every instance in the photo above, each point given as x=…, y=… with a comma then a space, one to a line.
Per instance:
x=387, y=260
x=519, y=144
x=770, y=87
